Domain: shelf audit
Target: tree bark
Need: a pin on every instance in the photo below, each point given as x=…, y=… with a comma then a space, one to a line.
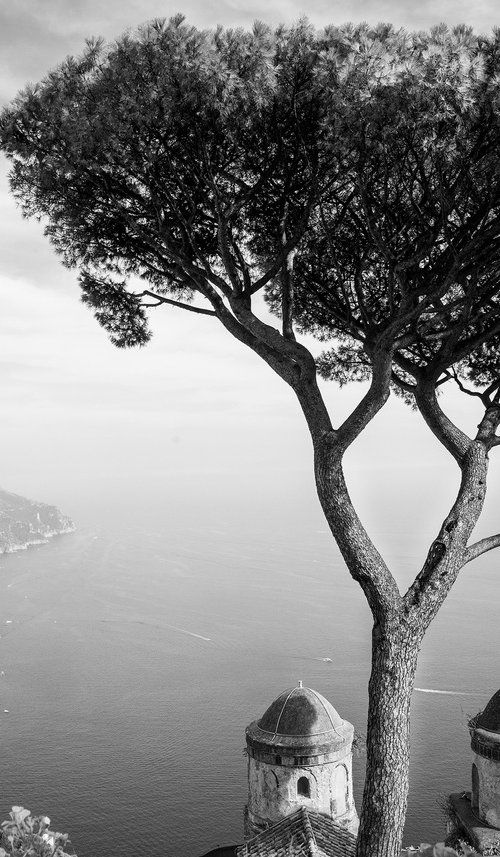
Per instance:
x=394, y=660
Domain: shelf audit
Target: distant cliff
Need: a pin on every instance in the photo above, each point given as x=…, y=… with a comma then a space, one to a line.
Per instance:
x=24, y=522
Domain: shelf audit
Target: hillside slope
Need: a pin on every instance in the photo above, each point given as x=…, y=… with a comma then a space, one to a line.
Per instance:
x=25, y=522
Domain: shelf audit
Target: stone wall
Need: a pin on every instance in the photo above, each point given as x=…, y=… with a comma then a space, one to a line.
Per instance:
x=274, y=792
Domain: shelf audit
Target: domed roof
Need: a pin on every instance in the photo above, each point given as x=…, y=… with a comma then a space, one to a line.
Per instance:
x=300, y=722
x=489, y=719
x=300, y=711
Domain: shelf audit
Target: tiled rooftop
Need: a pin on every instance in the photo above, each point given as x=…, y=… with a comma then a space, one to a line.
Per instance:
x=302, y=834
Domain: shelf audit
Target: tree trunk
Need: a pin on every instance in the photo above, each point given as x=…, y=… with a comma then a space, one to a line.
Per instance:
x=394, y=660
x=396, y=641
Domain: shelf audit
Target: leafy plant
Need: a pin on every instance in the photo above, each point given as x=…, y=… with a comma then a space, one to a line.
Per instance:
x=25, y=836
x=440, y=850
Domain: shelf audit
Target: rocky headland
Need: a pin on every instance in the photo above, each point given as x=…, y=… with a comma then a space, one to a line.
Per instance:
x=25, y=522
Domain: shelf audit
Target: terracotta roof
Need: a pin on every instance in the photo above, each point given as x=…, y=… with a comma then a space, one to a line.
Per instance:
x=302, y=834
x=489, y=719
x=300, y=711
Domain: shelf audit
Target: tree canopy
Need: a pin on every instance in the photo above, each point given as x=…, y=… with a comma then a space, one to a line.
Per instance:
x=351, y=174
x=352, y=177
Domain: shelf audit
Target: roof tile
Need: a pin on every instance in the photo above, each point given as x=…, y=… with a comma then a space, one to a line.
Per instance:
x=303, y=834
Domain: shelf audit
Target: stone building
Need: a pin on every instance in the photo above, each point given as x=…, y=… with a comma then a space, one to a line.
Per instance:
x=477, y=813
x=300, y=798
x=299, y=755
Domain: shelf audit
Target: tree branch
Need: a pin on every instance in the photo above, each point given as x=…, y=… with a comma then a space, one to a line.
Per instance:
x=301, y=371
x=401, y=383
x=265, y=332
x=287, y=290
x=480, y=547
x=372, y=401
x=448, y=550
x=162, y=300
x=486, y=430
x=365, y=564
x=278, y=359
x=465, y=347
x=452, y=438
x=287, y=302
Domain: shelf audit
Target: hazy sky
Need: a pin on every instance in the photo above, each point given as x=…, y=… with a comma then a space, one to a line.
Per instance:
x=193, y=414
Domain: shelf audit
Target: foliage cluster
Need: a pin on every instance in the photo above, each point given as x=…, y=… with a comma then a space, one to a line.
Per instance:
x=352, y=174
x=25, y=836
x=440, y=850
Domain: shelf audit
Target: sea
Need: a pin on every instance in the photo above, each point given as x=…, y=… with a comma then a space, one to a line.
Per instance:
x=134, y=651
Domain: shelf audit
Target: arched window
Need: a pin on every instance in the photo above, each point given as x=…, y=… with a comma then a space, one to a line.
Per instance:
x=341, y=789
x=303, y=787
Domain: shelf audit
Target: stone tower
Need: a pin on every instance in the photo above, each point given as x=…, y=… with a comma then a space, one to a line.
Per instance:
x=299, y=754
x=477, y=813
x=485, y=735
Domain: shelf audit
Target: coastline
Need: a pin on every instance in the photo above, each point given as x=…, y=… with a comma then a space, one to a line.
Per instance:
x=38, y=539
